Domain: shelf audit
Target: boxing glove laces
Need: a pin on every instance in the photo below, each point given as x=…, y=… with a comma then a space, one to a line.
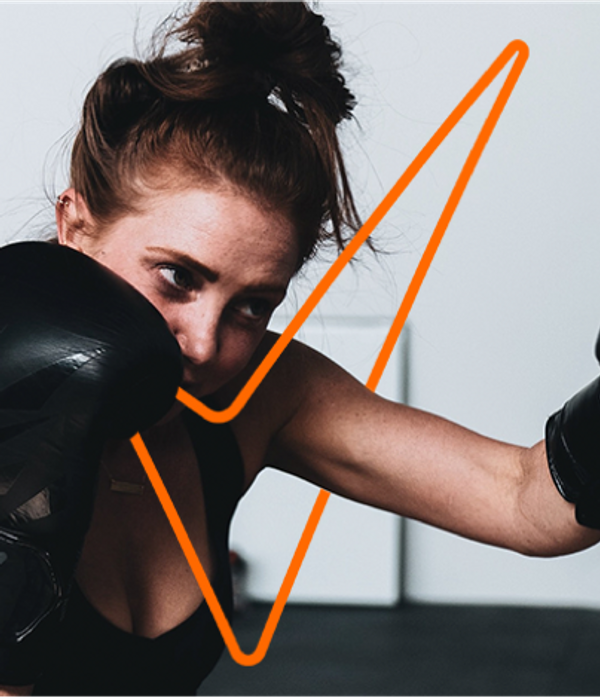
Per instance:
x=84, y=358
x=573, y=451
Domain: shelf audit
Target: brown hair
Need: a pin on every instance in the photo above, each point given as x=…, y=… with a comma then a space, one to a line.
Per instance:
x=251, y=95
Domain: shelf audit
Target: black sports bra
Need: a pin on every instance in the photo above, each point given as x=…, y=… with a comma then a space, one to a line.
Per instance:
x=93, y=657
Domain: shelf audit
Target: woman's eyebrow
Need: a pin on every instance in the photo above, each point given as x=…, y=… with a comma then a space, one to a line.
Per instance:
x=186, y=260
x=213, y=276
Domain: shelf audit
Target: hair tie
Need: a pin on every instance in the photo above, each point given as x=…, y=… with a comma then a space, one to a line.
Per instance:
x=196, y=65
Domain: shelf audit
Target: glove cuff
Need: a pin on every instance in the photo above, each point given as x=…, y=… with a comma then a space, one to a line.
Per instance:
x=573, y=452
x=31, y=605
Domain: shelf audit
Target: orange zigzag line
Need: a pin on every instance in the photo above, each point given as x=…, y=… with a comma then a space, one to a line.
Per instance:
x=521, y=50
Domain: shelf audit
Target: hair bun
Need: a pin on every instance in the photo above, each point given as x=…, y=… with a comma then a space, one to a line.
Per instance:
x=119, y=98
x=255, y=48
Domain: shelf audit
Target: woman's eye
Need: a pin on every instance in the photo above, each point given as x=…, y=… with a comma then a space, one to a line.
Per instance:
x=176, y=276
x=255, y=308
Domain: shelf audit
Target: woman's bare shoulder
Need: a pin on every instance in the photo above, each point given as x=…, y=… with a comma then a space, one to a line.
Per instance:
x=275, y=400
x=284, y=383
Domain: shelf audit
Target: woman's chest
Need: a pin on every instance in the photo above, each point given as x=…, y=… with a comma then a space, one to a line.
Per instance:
x=132, y=568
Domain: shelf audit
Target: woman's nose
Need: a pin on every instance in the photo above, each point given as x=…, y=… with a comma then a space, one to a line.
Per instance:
x=197, y=334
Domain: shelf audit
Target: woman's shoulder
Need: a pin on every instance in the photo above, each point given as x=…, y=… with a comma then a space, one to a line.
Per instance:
x=286, y=381
x=277, y=398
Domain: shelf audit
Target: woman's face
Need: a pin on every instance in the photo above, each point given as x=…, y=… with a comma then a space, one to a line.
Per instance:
x=213, y=262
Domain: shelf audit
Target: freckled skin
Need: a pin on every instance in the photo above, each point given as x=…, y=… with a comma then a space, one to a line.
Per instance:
x=245, y=245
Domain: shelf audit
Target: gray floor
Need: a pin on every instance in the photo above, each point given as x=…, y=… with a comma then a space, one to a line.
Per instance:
x=417, y=650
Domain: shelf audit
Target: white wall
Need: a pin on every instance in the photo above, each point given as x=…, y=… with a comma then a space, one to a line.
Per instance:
x=505, y=324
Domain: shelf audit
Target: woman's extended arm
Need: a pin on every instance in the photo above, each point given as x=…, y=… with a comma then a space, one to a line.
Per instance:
x=345, y=439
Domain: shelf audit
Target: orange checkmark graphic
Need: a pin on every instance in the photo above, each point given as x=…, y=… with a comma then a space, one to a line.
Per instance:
x=520, y=52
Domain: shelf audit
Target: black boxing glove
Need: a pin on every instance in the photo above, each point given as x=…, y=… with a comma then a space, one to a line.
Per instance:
x=84, y=357
x=573, y=451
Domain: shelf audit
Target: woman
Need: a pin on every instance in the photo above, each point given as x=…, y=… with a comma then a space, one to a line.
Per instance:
x=206, y=177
